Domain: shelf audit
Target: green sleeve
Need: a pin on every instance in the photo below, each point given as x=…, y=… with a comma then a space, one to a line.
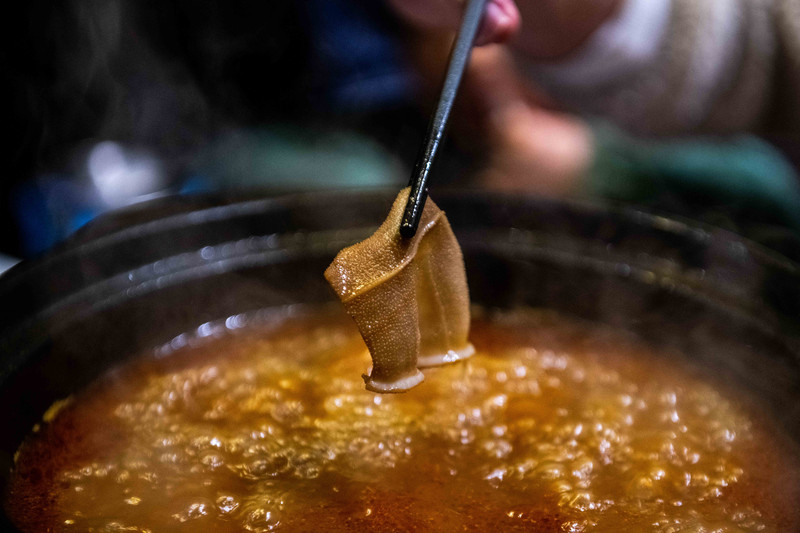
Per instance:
x=742, y=170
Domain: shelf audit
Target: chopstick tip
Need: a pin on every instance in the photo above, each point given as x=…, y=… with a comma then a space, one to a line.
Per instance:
x=407, y=230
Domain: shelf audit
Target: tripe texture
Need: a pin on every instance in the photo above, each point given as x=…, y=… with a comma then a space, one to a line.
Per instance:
x=408, y=297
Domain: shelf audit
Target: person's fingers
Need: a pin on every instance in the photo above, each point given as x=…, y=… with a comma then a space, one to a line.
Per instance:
x=493, y=84
x=538, y=151
x=530, y=148
x=500, y=22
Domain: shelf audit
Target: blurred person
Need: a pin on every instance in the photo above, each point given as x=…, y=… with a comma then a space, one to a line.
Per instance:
x=626, y=99
x=653, y=66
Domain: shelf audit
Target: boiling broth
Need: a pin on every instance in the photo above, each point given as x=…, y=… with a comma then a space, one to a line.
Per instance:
x=554, y=425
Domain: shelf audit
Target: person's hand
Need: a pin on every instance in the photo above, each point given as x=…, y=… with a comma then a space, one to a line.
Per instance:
x=530, y=147
x=542, y=29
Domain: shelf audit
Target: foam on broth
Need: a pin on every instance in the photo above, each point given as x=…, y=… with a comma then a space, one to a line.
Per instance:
x=554, y=425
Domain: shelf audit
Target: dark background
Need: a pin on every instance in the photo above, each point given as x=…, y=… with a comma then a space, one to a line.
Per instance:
x=172, y=75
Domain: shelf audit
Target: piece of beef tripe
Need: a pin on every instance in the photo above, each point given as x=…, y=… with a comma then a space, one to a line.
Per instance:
x=408, y=297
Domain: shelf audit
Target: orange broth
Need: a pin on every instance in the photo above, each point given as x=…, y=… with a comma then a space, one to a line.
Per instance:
x=554, y=425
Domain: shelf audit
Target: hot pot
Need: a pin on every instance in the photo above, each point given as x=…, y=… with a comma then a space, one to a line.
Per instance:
x=136, y=279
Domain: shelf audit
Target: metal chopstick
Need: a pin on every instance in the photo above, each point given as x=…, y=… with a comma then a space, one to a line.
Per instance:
x=459, y=56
